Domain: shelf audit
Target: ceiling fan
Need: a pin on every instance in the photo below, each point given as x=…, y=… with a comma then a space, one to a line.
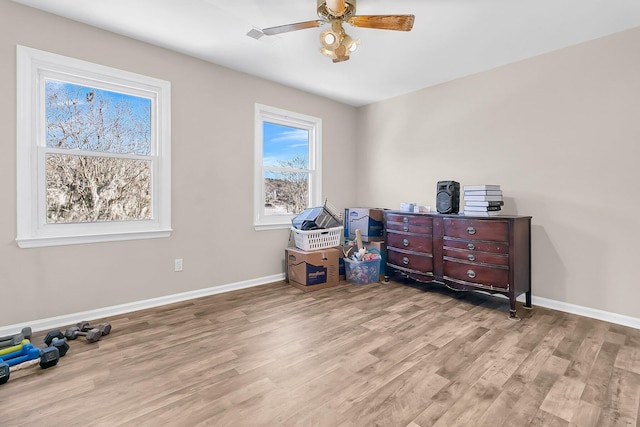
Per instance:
x=336, y=44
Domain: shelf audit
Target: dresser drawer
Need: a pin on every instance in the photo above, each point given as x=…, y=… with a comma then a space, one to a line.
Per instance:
x=496, y=248
x=477, y=257
x=419, y=224
x=410, y=228
x=410, y=219
x=489, y=230
x=410, y=261
x=484, y=276
x=410, y=242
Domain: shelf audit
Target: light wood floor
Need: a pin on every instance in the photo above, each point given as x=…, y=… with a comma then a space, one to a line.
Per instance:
x=382, y=354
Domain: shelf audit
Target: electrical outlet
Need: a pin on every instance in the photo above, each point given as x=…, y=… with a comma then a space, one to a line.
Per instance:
x=178, y=264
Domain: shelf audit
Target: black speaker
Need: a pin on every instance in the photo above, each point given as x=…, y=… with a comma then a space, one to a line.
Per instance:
x=448, y=197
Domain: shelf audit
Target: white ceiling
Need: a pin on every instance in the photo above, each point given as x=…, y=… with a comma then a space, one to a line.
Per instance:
x=450, y=38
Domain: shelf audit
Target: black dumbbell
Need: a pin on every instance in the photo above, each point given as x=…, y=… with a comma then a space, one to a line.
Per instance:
x=55, y=338
x=92, y=335
x=61, y=344
x=26, y=332
x=54, y=333
x=105, y=328
x=15, y=339
x=49, y=357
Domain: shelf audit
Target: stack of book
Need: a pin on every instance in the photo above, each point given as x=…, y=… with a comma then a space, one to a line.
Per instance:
x=482, y=200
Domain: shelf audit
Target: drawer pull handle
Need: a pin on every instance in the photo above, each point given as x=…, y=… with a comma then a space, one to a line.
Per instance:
x=471, y=246
x=405, y=228
x=471, y=274
x=405, y=242
x=405, y=219
x=471, y=257
x=405, y=261
x=471, y=230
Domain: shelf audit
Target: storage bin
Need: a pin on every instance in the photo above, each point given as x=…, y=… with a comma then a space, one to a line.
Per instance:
x=362, y=272
x=310, y=240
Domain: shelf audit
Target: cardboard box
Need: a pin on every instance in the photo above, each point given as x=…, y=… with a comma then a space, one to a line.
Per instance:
x=312, y=270
x=370, y=221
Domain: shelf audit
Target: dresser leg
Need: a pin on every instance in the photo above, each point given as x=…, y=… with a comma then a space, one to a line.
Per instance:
x=512, y=309
x=527, y=303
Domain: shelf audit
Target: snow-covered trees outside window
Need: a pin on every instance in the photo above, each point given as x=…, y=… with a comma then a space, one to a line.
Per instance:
x=111, y=179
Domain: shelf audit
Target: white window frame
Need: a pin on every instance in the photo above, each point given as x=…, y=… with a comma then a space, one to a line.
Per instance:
x=33, y=66
x=265, y=113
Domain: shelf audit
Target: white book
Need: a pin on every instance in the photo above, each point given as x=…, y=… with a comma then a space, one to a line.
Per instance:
x=481, y=187
x=482, y=198
x=483, y=203
x=481, y=208
x=482, y=192
x=479, y=213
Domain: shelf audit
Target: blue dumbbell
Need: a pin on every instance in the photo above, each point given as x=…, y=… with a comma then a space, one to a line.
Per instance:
x=19, y=353
x=31, y=353
x=48, y=356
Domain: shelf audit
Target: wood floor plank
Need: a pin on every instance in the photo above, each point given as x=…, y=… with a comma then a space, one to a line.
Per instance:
x=622, y=399
x=564, y=398
x=598, y=381
x=526, y=408
x=497, y=413
x=384, y=354
x=586, y=415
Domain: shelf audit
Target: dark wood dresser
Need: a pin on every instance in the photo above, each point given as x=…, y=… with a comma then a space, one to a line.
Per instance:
x=491, y=254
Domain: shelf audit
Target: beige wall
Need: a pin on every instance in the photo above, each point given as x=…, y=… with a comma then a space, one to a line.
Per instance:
x=212, y=161
x=559, y=132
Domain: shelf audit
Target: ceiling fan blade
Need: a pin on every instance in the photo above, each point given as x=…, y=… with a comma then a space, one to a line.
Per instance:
x=292, y=27
x=383, y=22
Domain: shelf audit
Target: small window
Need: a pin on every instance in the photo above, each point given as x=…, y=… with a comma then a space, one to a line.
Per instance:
x=93, y=152
x=287, y=166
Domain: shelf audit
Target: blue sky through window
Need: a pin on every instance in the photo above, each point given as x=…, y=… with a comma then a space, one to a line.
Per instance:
x=282, y=143
x=74, y=109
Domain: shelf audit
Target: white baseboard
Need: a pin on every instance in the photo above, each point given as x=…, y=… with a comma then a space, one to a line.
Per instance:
x=619, y=319
x=70, y=319
x=606, y=316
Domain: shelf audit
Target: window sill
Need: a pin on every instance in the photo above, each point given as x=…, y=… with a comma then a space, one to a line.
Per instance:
x=40, y=242
x=263, y=227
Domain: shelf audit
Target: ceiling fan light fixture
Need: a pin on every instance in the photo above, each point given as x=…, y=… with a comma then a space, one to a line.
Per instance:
x=330, y=39
x=337, y=45
x=349, y=43
x=327, y=52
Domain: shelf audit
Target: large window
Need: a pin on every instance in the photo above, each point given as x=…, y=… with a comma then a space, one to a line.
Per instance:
x=287, y=165
x=93, y=152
